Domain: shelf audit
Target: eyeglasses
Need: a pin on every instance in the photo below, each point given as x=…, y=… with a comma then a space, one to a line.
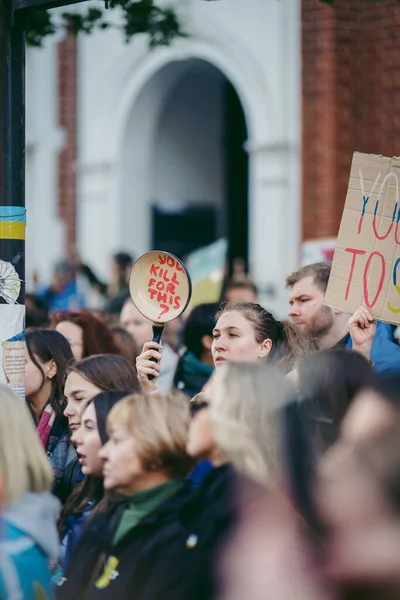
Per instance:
x=197, y=403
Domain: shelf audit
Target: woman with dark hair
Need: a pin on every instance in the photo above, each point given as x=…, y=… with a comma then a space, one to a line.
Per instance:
x=328, y=382
x=86, y=333
x=86, y=499
x=47, y=356
x=196, y=365
x=85, y=379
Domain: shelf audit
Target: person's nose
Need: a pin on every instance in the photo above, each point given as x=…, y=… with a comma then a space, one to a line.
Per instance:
x=69, y=411
x=103, y=452
x=294, y=310
x=220, y=344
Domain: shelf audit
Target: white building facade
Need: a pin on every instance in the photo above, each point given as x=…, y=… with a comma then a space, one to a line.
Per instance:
x=150, y=130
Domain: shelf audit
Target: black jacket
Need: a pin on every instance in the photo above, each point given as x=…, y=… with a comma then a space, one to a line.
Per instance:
x=169, y=555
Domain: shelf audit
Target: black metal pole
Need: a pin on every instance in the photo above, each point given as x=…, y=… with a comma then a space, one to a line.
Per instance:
x=12, y=157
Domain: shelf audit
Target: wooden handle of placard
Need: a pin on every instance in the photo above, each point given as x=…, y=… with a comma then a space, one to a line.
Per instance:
x=158, y=329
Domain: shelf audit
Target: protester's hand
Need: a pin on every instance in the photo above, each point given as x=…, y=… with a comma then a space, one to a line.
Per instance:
x=362, y=327
x=146, y=367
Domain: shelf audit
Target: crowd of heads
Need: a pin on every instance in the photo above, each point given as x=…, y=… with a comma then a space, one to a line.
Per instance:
x=295, y=421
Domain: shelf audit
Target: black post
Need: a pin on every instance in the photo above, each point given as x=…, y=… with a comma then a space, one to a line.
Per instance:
x=12, y=157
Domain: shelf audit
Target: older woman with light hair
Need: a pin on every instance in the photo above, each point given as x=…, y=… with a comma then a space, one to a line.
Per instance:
x=28, y=519
x=145, y=462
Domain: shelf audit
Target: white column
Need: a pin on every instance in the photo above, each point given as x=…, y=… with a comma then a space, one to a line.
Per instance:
x=270, y=244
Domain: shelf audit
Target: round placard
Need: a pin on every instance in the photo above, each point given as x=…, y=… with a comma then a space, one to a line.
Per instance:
x=160, y=286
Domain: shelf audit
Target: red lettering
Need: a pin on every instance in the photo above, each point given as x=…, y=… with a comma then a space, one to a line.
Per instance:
x=153, y=270
x=170, y=261
x=171, y=289
x=179, y=268
x=165, y=310
x=161, y=298
x=152, y=293
x=177, y=304
x=152, y=282
x=160, y=286
x=353, y=264
x=166, y=276
x=171, y=299
x=161, y=273
x=175, y=279
x=161, y=259
x=381, y=237
x=382, y=279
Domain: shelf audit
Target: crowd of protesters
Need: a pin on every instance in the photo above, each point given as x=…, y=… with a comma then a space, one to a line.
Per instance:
x=243, y=457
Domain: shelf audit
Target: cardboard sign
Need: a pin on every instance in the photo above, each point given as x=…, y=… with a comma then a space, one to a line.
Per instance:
x=366, y=265
x=13, y=357
x=160, y=286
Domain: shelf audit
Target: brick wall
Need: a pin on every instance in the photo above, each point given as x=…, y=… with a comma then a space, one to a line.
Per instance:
x=351, y=99
x=67, y=117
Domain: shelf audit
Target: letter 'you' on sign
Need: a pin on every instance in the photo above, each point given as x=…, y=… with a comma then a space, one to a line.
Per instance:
x=160, y=286
x=366, y=265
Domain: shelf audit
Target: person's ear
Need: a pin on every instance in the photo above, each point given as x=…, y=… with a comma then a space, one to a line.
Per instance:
x=51, y=369
x=206, y=342
x=265, y=348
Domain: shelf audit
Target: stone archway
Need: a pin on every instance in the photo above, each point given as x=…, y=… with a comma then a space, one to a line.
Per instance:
x=184, y=161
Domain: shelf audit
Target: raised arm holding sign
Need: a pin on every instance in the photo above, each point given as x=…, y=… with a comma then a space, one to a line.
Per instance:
x=160, y=287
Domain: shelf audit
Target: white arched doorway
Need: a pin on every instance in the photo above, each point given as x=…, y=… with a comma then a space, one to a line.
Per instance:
x=120, y=176
x=184, y=168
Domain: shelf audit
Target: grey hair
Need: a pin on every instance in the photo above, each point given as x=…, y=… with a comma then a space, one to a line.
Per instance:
x=246, y=410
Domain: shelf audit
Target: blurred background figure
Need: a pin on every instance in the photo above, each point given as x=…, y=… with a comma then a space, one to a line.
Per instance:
x=28, y=534
x=63, y=292
x=328, y=381
x=196, y=364
x=86, y=333
x=141, y=330
x=358, y=498
x=241, y=291
x=126, y=344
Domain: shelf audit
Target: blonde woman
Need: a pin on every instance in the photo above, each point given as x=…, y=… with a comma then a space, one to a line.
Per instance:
x=238, y=420
x=236, y=425
x=134, y=549
x=28, y=534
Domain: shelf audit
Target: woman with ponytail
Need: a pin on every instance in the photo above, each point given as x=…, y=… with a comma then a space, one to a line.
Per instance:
x=246, y=332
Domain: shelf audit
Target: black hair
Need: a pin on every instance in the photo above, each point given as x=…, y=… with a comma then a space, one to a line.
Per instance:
x=91, y=488
x=328, y=382
x=199, y=323
x=103, y=403
x=123, y=259
x=387, y=385
x=44, y=345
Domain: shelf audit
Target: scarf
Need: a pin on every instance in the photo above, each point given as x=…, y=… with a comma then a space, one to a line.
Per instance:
x=53, y=434
x=45, y=424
